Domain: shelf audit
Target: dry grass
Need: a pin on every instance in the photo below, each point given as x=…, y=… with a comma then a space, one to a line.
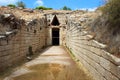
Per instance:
x=110, y=37
x=107, y=26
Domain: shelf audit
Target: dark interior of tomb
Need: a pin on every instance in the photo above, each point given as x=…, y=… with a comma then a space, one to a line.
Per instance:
x=55, y=36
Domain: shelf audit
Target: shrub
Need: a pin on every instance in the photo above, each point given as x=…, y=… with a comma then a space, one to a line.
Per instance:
x=66, y=8
x=43, y=8
x=11, y=5
x=30, y=51
x=20, y=4
x=112, y=10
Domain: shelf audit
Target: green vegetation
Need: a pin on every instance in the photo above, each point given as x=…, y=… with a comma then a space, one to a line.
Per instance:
x=11, y=5
x=20, y=4
x=43, y=8
x=66, y=8
x=112, y=9
x=107, y=26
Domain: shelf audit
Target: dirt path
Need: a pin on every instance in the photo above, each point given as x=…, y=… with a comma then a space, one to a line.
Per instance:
x=54, y=63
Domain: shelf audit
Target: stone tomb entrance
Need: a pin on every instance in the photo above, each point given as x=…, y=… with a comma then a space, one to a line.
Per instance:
x=55, y=31
x=55, y=36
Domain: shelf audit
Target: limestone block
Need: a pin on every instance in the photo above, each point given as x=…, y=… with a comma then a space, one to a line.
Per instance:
x=85, y=42
x=92, y=55
x=100, y=45
x=94, y=43
x=6, y=58
x=95, y=73
x=109, y=76
x=111, y=58
x=90, y=61
x=3, y=42
x=82, y=37
x=15, y=54
x=115, y=69
x=103, y=78
x=118, y=70
x=105, y=55
x=100, y=69
x=96, y=50
x=2, y=48
x=5, y=53
x=83, y=56
x=105, y=63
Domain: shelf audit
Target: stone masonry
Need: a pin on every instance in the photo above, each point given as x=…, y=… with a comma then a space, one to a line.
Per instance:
x=101, y=64
x=23, y=32
x=15, y=43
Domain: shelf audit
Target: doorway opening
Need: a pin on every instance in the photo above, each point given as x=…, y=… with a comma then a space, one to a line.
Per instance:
x=55, y=36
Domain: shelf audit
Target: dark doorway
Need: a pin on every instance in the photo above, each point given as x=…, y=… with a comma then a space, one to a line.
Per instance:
x=55, y=36
x=55, y=21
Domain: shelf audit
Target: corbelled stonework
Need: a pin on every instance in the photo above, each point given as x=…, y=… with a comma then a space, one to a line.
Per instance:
x=23, y=32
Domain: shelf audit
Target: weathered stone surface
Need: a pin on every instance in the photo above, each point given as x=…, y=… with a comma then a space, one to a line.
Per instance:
x=28, y=10
x=14, y=46
x=33, y=30
x=102, y=65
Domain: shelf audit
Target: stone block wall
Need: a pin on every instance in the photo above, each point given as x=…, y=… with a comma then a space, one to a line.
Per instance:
x=101, y=64
x=61, y=18
x=15, y=46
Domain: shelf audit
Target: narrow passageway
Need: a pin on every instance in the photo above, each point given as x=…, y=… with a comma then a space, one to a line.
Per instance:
x=54, y=63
